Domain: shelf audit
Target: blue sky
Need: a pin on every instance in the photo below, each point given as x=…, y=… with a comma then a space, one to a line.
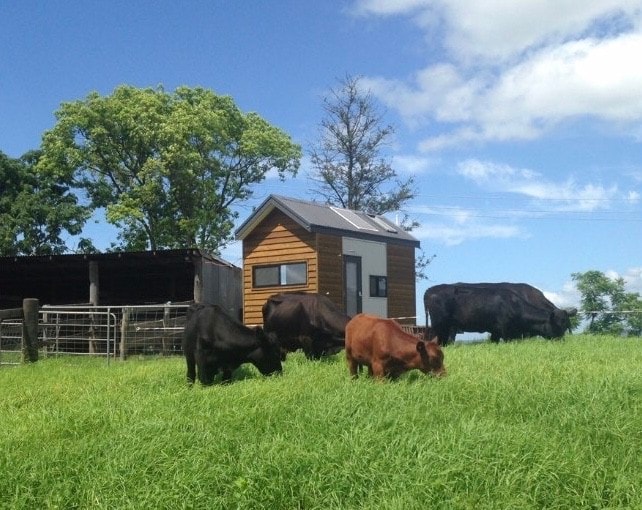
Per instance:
x=521, y=121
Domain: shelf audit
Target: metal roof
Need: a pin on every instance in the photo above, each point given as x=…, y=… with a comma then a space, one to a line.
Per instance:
x=322, y=218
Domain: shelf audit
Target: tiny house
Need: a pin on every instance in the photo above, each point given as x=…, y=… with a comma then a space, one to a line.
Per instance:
x=363, y=262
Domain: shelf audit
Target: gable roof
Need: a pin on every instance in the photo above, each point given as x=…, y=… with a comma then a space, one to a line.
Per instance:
x=321, y=218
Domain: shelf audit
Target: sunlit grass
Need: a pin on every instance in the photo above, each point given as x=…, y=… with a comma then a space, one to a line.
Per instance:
x=532, y=424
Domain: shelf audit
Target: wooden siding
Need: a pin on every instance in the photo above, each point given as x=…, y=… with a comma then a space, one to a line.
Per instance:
x=330, y=268
x=278, y=239
x=401, y=282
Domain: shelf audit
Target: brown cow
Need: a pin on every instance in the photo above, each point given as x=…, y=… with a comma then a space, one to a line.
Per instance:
x=387, y=350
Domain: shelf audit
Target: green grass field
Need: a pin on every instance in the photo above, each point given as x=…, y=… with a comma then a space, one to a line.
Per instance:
x=531, y=424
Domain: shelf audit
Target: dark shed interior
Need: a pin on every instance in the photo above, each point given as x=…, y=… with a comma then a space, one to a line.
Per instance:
x=124, y=278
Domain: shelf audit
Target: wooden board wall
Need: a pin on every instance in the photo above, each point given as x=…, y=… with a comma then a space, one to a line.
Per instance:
x=277, y=239
x=401, y=282
x=330, y=268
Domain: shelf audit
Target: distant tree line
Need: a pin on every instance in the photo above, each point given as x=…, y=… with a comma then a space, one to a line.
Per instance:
x=167, y=169
x=606, y=307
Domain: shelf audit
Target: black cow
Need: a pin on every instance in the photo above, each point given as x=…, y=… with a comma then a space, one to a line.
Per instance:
x=505, y=310
x=306, y=321
x=214, y=342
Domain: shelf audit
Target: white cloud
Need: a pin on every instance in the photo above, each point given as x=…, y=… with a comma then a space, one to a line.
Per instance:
x=483, y=172
x=388, y=7
x=568, y=297
x=589, y=69
x=586, y=77
x=455, y=234
x=632, y=278
x=438, y=92
x=456, y=225
x=558, y=196
x=501, y=29
x=453, y=224
x=459, y=137
x=411, y=164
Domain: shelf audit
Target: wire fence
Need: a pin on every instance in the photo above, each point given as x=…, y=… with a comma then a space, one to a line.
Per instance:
x=112, y=332
x=118, y=331
x=10, y=341
x=612, y=312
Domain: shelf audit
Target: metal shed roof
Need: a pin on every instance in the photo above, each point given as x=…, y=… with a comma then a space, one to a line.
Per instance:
x=315, y=217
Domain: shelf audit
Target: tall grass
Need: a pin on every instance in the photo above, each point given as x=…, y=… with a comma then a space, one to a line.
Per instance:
x=531, y=424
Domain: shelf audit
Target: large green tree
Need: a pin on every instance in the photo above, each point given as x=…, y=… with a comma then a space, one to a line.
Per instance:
x=167, y=167
x=37, y=212
x=606, y=304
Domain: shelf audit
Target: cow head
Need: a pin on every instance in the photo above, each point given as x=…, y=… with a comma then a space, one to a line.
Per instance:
x=432, y=358
x=267, y=357
x=571, y=312
x=207, y=366
x=560, y=321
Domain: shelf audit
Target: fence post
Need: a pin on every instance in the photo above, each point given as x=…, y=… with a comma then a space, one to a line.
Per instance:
x=124, y=326
x=94, y=292
x=166, y=322
x=30, y=308
x=198, y=279
x=94, y=283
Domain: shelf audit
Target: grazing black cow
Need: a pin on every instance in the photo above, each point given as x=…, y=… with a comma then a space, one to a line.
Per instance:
x=310, y=322
x=214, y=342
x=505, y=310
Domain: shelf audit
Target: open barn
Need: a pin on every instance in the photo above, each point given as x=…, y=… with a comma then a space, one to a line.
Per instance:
x=126, y=302
x=121, y=278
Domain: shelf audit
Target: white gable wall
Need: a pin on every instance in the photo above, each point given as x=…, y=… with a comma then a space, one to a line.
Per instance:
x=373, y=262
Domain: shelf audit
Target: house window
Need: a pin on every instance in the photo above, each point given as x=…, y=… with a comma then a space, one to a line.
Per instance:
x=378, y=286
x=281, y=274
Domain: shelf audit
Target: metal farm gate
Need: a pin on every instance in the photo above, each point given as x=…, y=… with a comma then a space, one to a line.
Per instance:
x=10, y=341
x=113, y=331
x=75, y=330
